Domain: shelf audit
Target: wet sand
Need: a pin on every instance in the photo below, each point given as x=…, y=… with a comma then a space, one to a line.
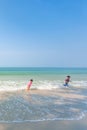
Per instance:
x=48, y=125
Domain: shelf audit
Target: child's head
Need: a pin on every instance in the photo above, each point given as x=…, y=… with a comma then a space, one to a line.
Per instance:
x=31, y=80
x=68, y=76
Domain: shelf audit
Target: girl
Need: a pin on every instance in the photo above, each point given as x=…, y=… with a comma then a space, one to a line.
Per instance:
x=29, y=84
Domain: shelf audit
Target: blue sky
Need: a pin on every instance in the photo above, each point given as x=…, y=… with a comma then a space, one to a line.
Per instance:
x=43, y=33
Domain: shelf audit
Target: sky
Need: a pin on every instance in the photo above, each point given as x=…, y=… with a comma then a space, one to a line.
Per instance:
x=43, y=33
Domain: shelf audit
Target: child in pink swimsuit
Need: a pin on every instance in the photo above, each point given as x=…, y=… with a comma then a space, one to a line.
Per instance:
x=29, y=84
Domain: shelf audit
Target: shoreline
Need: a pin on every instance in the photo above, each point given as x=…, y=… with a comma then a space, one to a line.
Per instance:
x=47, y=125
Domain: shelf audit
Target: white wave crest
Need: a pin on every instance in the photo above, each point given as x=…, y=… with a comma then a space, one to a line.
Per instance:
x=11, y=85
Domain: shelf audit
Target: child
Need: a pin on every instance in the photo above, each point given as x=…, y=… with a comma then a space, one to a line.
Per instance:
x=67, y=80
x=29, y=84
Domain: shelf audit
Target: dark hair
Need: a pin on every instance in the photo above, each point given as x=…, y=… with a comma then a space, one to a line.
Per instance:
x=68, y=76
x=31, y=79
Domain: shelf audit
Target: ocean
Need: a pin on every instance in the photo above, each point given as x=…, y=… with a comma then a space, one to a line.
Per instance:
x=17, y=105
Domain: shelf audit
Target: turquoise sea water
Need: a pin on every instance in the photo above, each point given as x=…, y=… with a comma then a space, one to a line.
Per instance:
x=44, y=73
x=42, y=108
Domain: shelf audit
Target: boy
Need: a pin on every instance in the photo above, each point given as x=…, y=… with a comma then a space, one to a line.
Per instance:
x=67, y=80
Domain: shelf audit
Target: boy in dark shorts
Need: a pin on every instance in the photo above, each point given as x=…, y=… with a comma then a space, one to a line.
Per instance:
x=67, y=80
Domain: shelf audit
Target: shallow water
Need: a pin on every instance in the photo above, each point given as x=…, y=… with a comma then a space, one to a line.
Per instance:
x=33, y=107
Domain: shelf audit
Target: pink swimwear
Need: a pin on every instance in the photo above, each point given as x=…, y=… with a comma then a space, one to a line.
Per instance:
x=29, y=84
